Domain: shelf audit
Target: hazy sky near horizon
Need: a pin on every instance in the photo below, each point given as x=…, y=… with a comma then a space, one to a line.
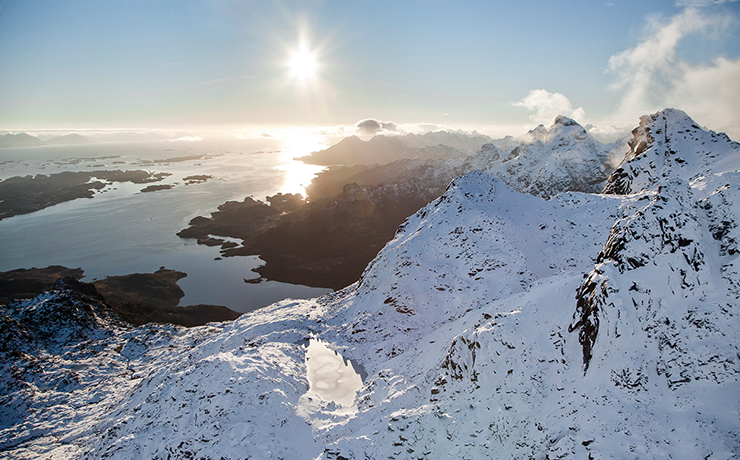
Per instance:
x=468, y=64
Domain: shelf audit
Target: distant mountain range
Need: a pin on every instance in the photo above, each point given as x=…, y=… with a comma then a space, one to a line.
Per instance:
x=382, y=149
x=26, y=140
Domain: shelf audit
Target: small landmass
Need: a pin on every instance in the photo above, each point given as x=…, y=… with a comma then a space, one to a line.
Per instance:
x=324, y=242
x=181, y=159
x=27, y=283
x=137, y=298
x=154, y=188
x=153, y=297
x=196, y=179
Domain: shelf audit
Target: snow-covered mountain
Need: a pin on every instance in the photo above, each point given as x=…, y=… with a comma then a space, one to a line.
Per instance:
x=496, y=324
x=548, y=161
x=543, y=162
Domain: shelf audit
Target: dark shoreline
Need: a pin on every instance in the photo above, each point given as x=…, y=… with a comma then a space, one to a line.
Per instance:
x=328, y=239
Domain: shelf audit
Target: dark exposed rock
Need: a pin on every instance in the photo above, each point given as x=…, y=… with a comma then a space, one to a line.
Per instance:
x=26, y=283
x=589, y=301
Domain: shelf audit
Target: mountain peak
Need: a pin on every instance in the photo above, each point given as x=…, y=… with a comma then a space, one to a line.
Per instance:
x=565, y=121
x=669, y=143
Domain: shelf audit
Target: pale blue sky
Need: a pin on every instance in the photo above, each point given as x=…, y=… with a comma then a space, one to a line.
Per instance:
x=186, y=64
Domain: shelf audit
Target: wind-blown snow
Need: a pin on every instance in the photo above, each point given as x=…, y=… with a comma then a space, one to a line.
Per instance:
x=496, y=324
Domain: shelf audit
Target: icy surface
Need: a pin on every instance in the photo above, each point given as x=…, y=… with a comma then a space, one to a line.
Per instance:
x=330, y=376
x=496, y=324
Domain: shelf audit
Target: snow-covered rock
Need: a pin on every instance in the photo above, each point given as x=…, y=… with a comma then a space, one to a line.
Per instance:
x=495, y=324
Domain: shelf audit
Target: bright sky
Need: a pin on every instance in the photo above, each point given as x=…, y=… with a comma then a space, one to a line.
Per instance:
x=487, y=65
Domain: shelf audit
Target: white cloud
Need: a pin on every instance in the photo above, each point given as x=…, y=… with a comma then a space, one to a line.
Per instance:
x=695, y=3
x=547, y=106
x=650, y=76
x=710, y=94
x=371, y=126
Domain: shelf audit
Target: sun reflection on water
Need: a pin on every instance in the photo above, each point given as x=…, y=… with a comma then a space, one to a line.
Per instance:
x=298, y=143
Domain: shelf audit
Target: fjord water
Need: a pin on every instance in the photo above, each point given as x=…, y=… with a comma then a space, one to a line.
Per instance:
x=122, y=230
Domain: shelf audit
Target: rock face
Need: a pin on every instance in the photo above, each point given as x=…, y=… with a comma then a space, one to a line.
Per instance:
x=495, y=324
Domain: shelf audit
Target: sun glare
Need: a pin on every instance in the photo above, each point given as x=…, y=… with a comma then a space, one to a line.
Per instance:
x=297, y=143
x=303, y=65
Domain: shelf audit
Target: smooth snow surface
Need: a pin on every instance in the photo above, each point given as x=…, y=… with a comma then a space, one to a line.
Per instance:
x=330, y=376
x=496, y=324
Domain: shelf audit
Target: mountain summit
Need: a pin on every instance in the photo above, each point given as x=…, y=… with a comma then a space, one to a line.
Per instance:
x=563, y=157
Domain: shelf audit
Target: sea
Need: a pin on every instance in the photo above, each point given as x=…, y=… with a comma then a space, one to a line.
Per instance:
x=122, y=230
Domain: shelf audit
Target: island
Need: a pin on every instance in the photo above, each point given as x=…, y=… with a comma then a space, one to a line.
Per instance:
x=26, y=194
x=138, y=298
x=156, y=188
x=196, y=179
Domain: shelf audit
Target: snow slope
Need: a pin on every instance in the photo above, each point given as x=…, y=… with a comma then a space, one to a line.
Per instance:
x=495, y=324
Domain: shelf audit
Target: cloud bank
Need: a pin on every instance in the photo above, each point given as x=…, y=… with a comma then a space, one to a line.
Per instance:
x=371, y=126
x=547, y=106
x=652, y=76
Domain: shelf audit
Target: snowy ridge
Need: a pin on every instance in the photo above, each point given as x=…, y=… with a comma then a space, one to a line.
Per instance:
x=543, y=163
x=495, y=324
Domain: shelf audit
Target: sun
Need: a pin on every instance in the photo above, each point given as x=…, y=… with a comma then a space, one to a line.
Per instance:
x=303, y=65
